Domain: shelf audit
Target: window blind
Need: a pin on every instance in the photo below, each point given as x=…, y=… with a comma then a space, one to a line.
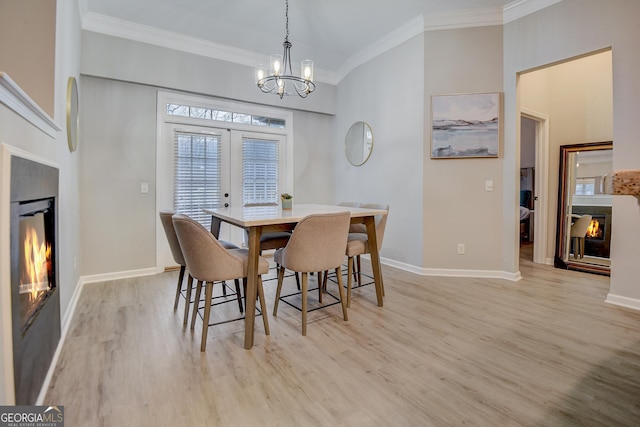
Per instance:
x=259, y=172
x=197, y=174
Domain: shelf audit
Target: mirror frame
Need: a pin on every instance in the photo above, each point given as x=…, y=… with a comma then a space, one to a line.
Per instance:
x=352, y=128
x=72, y=114
x=559, y=262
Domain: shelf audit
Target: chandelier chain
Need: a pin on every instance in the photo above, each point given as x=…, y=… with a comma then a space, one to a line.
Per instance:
x=286, y=13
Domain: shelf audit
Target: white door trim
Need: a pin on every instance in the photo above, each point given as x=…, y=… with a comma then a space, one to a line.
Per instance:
x=541, y=196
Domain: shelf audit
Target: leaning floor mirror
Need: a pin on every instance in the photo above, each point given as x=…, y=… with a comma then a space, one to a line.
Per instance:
x=583, y=239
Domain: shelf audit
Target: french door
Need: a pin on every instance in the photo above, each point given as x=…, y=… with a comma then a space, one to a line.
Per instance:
x=208, y=167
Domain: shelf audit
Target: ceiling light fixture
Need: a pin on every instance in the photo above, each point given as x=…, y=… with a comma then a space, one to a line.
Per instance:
x=280, y=80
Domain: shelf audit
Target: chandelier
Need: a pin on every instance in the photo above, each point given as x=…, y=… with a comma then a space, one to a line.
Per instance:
x=280, y=80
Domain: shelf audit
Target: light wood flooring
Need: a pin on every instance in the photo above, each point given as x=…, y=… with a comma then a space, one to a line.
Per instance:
x=544, y=351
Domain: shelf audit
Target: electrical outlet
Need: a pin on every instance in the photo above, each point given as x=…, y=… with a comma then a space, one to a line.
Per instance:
x=144, y=188
x=460, y=248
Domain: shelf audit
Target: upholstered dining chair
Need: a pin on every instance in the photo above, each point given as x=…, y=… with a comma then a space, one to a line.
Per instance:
x=176, y=251
x=358, y=244
x=354, y=228
x=578, y=232
x=316, y=244
x=208, y=261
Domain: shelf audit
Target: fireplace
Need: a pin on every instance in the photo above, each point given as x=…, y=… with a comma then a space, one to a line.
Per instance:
x=597, y=241
x=35, y=300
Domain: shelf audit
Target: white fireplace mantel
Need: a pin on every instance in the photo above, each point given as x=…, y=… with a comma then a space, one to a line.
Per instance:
x=16, y=99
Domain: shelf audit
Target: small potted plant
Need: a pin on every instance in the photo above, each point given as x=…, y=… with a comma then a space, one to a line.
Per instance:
x=287, y=200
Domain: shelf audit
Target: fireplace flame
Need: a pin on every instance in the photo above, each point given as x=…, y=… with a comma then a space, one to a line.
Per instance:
x=36, y=258
x=594, y=228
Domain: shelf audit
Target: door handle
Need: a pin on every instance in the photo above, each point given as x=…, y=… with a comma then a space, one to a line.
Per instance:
x=226, y=194
x=226, y=205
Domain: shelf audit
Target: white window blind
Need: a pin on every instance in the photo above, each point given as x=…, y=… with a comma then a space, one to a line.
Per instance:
x=197, y=163
x=259, y=172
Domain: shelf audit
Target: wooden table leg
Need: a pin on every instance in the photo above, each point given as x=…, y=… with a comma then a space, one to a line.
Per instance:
x=370, y=222
x=252, y=286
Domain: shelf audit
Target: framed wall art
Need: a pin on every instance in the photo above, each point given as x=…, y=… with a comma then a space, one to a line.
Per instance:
x=465, y=125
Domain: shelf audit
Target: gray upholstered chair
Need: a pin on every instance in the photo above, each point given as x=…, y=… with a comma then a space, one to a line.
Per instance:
x=578, y=232
x=208, y=262
x=354, y=228
x=316, y=244
x=176, y=251
x=358, y=244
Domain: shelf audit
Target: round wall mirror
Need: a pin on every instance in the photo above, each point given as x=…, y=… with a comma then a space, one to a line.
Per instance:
x=72, y=114
x=359, y=143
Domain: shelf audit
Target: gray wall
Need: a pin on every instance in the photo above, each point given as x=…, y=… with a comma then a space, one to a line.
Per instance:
x=118, y=153
x=457, y=209
x=387, y=93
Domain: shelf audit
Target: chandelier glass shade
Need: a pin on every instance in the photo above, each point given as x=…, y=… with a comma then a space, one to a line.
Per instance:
x=279, y=78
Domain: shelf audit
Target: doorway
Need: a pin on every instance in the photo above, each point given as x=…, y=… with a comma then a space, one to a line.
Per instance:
x=577, y=95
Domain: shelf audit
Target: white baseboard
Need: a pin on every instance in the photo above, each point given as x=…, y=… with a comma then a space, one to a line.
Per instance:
x=623, y=301
x=484, y=274
x=118, y=275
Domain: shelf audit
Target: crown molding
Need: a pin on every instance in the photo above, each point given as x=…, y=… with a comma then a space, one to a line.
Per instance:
x=418, y=25
x=429, y=22
x=463, y=19
x=521, y=8
x=393, y=39
x=110, y=26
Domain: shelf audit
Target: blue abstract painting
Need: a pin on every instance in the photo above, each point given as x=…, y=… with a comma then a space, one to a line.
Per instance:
x=466, y=125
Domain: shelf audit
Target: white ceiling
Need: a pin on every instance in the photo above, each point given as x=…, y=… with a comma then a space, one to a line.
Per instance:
x=333, y=33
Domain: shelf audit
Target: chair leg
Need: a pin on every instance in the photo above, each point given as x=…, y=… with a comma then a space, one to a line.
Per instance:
x=278, y=289
x=263, y=306
x=237, y=282
x=341, y=291
x=349, y=279
x=320, y=287
x=305, y=284
x=297, y=280
x=179, y=288
x=224, y=288
x=196, y=304
x=207, y=313
x=359, y=270
x=187, y=301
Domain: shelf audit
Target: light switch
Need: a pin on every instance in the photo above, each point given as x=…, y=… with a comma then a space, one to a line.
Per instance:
x=144, y=188
x=488, y=185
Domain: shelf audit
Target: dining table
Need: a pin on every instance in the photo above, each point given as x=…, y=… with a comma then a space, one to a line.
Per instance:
x=264, y=219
